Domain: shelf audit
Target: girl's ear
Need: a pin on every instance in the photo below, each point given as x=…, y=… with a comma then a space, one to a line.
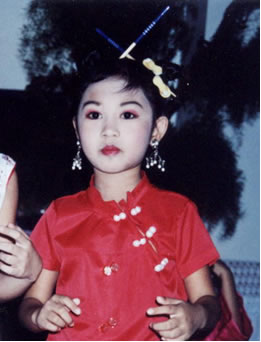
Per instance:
x=161, y=126
x=75, y=126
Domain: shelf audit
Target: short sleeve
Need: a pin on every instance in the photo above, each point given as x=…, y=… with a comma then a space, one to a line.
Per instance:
x=194, y=246
x=43, y=239
x=7, y=166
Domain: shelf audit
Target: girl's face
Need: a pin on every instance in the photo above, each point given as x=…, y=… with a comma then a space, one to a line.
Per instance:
x=114, y=126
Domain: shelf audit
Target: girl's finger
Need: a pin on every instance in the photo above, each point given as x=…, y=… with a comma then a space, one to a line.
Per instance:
x=166, y=325
x=63, y=313
x=55, y=318
x=174, y=334
x=76, y=301
x=49, y=326
x=72, y=306
x=68, y=302
x=162, y=310
x=168, y=301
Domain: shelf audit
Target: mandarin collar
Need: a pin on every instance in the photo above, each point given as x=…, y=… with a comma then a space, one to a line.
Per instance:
x=133, y=197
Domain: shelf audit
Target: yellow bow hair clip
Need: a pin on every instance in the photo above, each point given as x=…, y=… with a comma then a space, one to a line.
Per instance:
x=164, y=90
x=150, y=64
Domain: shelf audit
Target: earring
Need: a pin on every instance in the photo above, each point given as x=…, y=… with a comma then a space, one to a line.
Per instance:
x=155, y=158
x=77, y=160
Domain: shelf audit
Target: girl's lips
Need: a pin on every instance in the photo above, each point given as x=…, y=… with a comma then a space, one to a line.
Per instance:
x=110, y=149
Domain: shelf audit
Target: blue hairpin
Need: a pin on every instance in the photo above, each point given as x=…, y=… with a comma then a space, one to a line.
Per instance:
x=154, y=22
x=147, y=29
x=112, y=42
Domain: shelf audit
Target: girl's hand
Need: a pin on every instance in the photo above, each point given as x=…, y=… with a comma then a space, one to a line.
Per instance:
x=184, y=319
x=18, y=258
x=54, y=315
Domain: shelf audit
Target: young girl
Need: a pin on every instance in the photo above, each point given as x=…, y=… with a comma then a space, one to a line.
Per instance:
x=20, y=264
x=126, y=260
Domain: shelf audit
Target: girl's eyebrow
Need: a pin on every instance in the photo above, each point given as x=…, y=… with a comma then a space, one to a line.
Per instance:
x=131, y=102
x=125, y=103
x=86, y=103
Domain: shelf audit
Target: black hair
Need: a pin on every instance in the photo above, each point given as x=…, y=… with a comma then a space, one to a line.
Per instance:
x=137, y=76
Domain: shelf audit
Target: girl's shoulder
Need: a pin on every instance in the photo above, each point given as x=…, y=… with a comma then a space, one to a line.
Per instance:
x=170, y=195
x=171, y=199
x=77, y=200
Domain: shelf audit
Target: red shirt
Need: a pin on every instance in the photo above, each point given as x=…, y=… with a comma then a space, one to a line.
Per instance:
x=117, y=257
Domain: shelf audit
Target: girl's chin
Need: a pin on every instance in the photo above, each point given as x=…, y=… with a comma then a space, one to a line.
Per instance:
x=116, y=170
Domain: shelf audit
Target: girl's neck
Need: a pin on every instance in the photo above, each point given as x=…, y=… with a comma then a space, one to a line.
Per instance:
x=115, y=186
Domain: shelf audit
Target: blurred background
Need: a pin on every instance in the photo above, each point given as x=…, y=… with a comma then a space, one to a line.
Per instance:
x=213, y=147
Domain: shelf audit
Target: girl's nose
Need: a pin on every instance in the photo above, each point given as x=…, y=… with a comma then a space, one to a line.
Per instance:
x=110, y=129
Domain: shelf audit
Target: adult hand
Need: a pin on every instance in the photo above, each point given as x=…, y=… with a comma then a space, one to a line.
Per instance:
x=18, y=257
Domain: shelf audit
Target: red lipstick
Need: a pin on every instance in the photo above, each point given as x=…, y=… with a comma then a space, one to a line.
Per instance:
x=110, y=150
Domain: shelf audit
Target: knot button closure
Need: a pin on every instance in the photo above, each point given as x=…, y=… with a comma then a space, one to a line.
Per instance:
x=109, y=269
x=151, y=231
x=135, y=211
x=137, y=243
x=162, y=265
x=121, y=216
x=110, y=324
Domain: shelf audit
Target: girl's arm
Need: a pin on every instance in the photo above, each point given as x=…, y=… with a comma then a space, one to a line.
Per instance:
x=202, y=295
x=229, y=292
x=199, y=315
x=9, y=207
x=41, y=310
x=36, y=296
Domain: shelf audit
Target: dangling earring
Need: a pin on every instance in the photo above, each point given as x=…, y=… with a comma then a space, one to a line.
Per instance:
x=77, y=160
x=155, y=158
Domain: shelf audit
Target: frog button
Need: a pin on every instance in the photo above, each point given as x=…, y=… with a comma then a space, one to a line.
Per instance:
x=112, y=268
x=121, y=216
x=115, y=267
x=104, y=327
x=135, y=211
x=110, y=324
x=107, y=270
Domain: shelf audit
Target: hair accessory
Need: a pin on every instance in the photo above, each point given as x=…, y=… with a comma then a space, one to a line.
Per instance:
x=157, y=80
x=154, y=158
x=147, y=29
x=150, y=64
x=164, y=90
x=112, y=42
x=77, y=160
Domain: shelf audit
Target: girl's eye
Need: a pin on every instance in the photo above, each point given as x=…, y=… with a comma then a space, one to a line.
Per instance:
x=129, y=115
x=93, y=115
